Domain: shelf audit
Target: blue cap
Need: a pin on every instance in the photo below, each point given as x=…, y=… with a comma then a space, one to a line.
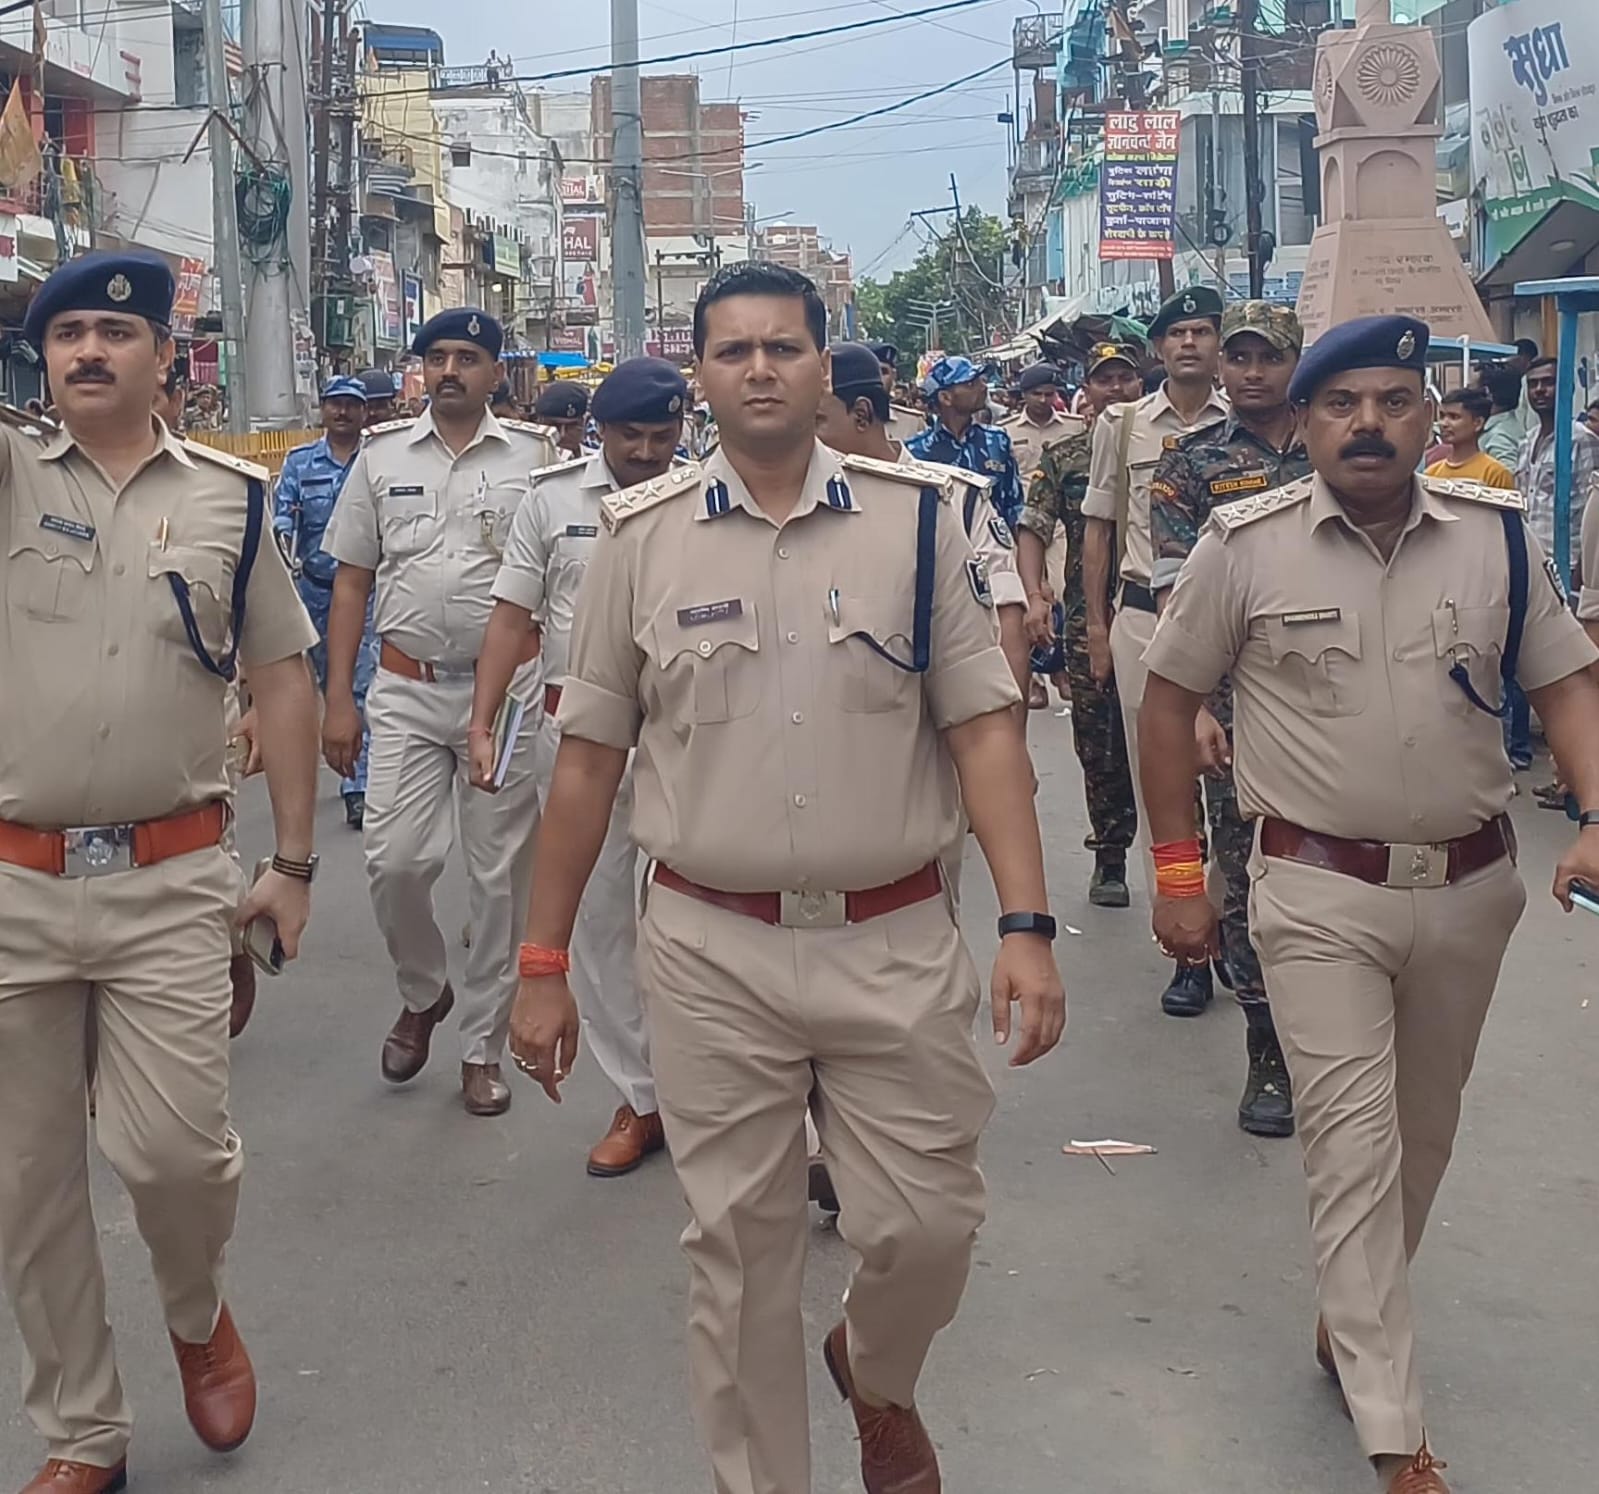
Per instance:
x=885, y=353
x=1037, y=375
x=855, y=369
x=562, y=400
x=342, y=386
x=137, y=284
x=948, y=372
x=378, y=383
x=1366, y=342
x=461, y=324
x=644, y=391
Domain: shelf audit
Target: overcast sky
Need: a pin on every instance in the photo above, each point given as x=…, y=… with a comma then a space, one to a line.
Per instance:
x=858, y=185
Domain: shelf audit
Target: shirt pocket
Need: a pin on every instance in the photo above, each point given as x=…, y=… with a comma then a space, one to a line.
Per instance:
x=867, y=629
x=1473, y=637
x=210, y=595
x=716, y=664
x=493, y=509
x=1320, y=663
x=49, y=580
x=408, y=519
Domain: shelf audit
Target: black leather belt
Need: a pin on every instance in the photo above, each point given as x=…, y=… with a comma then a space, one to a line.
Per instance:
x=1139, y=598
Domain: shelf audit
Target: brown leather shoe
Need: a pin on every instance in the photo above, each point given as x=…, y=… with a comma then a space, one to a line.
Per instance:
x=1420, y=1475
x=482, y=1089
x=218, y=1386
x=631, y=1139
x=897, y=1455
x=59, y=1476
x=405, y=1050
x=241, y=972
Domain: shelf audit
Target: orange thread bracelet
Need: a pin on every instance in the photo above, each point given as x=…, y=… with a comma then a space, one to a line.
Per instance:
x=1179, y=868
x=534, y=960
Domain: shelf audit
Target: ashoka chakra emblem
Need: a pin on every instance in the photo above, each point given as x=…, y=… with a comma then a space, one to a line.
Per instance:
x=1388, y=75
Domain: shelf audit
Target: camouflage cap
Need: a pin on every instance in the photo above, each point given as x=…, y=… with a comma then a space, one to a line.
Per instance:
x=1277, y=324
x=1111, y=352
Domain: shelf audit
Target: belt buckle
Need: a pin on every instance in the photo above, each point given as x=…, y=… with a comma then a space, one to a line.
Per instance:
x=96, y=850
x=811, y=910
x=1417, y=866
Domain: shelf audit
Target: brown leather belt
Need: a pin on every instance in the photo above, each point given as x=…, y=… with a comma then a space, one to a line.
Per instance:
x=812, y=909
x=552, y=699
x=1385, y=865
x=397, y=661
x=93, y=850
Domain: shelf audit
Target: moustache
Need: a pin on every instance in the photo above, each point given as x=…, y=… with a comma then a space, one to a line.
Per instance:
x=1367, y=446
x=92, y=376
x=451, y=384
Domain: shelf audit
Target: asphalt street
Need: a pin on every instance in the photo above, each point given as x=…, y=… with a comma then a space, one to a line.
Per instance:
x=437, y=1304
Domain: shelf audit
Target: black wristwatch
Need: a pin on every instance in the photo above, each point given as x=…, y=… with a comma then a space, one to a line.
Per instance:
x=301, y=871
x=1027, y=923
x=1588, y=818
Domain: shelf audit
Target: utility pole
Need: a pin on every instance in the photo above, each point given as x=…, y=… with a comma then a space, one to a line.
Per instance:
x=279, y=270
x=1254, y=187
x=224, y=209
x=322, y=116
x=627, y=181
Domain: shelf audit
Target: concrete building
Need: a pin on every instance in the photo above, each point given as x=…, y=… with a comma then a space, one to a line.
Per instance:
x=802, y=248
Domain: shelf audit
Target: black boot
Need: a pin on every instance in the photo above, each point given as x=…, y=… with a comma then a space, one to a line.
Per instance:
x=1107, y=888
x=1267, y=1108
x=1189, y=992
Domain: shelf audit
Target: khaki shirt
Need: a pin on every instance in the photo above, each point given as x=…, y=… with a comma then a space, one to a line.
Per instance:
x=433, y=526
x=903, y=422
x=1588, y=600
x=1028, y=438
x=777, y=749
x=991, y=537
x=108, y=717
x=1154, y=419
x=552, y=540
x=1347, y=721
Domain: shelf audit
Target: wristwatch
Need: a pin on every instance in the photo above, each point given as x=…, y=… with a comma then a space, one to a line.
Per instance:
x=1587, y=819
x=1027, y=923
x=301, y=871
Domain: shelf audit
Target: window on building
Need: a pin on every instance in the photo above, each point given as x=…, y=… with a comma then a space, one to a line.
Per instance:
x=188, y=65
x=460, y=155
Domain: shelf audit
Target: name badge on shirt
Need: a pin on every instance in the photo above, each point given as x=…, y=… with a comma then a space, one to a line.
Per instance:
x=1250, y=482
x=1315, y=615
x=582, y=531
x=709, y=612
x=407, y=490
x=55, y=524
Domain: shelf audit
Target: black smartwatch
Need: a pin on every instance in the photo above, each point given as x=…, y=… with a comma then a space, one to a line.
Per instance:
x=1027, y=923
x=301, y=871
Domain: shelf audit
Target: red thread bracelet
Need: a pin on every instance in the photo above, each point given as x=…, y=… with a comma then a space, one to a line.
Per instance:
x=534, y=960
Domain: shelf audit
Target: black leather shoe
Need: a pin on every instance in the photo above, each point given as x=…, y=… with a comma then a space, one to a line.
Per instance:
x=1189, y=993
x=1267, y=1108
x=1107, y=888
x=355, y=810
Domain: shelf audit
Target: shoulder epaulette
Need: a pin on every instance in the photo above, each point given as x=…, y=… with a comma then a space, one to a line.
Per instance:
x=907, y=410
x=918, y=474
x=384, y=427
x=228, y=460
x=1474, y=492
x=566, y=465
x=1241, y=511
x=30, y=425
x=618, y=508
x=530, y=428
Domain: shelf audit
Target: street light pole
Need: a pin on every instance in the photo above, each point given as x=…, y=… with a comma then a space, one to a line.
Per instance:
x=627, y=178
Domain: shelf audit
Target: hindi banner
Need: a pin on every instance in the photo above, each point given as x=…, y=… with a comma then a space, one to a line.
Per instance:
x=1138, y=186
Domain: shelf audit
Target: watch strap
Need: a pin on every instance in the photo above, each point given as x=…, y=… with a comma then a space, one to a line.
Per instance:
x=287, y=866
x=1588, y=817
x=1027, y=923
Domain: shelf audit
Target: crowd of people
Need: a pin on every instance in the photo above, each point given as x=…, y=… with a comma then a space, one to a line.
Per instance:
x=712, y=716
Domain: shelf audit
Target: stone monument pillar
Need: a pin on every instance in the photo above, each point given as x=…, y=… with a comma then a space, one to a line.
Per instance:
x=1381, y=246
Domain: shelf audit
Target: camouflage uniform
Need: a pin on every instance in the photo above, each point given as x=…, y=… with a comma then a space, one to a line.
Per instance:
x=1198, y=472
x=1055, y=492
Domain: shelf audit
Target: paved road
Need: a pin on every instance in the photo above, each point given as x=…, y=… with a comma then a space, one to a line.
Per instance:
x=438, y=1304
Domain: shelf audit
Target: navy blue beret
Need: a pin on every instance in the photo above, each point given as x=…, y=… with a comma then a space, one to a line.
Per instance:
x=885, y=352
x=461, y=324
x=1037, y=375
x=137, y=284
x=643, y=391
x=1187, y=305
x=378, y=383
x=1366, y=342
x=855, y=369
x=562, y=400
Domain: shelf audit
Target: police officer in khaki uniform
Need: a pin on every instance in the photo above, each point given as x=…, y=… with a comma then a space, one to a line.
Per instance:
x=1588, y=599
x=1369, y=620
x=639, y=407
x=902, y=422
x=136, y=572
x=424, y=515
x=1038, y=423
x=810, y=712
x=1128, y=442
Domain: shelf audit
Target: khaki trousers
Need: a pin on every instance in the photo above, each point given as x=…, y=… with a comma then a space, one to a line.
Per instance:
x=745, y=1020
x=1130, y=634
x=1379, y=995
x=605, y=942
x=142, y=956
x=418, y=788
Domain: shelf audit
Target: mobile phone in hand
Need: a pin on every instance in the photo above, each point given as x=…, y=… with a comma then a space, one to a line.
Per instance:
x=1583, y=896
x=261, y=940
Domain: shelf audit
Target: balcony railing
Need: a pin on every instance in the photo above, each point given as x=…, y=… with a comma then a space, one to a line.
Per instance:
x=1037, y=162
x=1036, y=41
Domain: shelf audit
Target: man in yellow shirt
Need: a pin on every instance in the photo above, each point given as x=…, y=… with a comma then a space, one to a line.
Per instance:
x=1462, y=414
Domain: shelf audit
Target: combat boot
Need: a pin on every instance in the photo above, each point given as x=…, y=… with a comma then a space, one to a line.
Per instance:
x=1267, y=1108
x=1107, y=888
x=1189, y=993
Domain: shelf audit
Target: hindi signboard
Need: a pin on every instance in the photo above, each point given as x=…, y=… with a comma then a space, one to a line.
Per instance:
x=1138, y=186
x=186, y=299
